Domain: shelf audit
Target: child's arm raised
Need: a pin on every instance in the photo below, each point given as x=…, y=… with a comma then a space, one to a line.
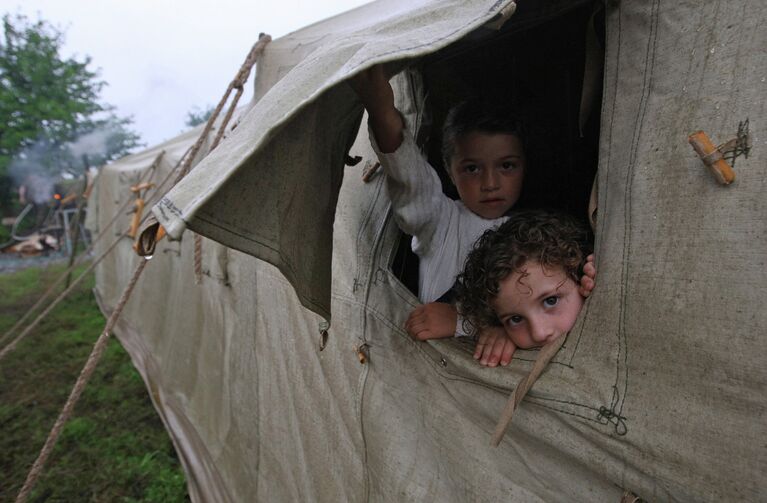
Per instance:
x=377, y=97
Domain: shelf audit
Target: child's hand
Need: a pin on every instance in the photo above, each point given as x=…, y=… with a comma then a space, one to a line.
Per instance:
x=494, y=347
x=434, y=320
x=589, y=275
x=373, y=88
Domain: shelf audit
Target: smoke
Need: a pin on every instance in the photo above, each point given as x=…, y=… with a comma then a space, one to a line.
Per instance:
x=31, y=168
x=41, y=165
x=94, y=144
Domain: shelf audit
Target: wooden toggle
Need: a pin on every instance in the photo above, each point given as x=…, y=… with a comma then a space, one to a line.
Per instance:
x=141, y=186
x=138, y=211
x=712, y=157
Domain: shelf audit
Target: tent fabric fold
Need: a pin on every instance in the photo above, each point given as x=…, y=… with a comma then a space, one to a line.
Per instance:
x=286, y=159
x=659, y=387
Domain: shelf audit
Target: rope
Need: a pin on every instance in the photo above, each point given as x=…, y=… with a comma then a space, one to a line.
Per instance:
x=85, y=375
x=75, y=230
x=197, y=259
x=237, y=83
x=10, y=347
x=93, y=265
x=544, y=357
x=100, y=345
x=85, y=253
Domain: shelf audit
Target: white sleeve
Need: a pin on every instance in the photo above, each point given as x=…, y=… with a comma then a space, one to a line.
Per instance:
x=459, y=331
x=420, y=207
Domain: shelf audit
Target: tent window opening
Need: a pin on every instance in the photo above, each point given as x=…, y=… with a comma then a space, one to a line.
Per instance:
x=537, y=69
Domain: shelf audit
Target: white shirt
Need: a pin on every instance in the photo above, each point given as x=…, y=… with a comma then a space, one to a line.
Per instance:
x=443, y=230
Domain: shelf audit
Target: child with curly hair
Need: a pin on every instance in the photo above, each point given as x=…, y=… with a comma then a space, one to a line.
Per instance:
x=484, y=156
x=525, y=277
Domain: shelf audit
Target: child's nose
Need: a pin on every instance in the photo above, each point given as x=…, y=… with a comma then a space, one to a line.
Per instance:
x=490, y=180
x=540, y=332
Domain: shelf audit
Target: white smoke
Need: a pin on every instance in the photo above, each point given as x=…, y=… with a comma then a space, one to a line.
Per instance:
x=31, y=169
x=39, y=166
x=93, y=144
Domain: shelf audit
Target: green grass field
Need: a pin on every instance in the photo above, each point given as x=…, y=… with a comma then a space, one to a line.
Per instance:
x=114, y=449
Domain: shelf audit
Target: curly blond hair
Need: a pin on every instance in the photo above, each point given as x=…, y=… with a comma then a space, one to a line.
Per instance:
x=550, y=238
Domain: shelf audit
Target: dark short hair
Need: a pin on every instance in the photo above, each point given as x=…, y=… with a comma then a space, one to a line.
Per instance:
x=478, y=115
x=550, y=238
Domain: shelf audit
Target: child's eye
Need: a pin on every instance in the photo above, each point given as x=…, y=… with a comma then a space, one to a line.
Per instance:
x=508, y=165
x=514, y=320
x=471, y=168
x=551, y=301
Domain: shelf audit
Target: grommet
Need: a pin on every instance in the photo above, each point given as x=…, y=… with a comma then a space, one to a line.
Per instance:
x=443, y=362
x=323, y=328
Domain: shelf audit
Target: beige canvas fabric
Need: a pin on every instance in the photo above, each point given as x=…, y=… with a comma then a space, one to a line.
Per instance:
x=284, y=151
x=659, y=388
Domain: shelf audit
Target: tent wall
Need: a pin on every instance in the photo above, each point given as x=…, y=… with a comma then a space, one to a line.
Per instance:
x=659, y=388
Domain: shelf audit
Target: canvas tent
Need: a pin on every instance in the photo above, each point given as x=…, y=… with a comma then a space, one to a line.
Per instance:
x=660, y=387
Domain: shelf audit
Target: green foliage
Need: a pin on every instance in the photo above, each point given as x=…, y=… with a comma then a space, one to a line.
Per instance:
x=196, y=116
x=114, y=448
x=49, y=101
x=41, y=93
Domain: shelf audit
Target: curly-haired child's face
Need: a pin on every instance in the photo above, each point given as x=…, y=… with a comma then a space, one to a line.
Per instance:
x=537, y=305
x=488, y=170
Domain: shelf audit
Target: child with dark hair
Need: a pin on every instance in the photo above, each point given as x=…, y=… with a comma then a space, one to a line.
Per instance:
x=484, y=157
x=525, y=277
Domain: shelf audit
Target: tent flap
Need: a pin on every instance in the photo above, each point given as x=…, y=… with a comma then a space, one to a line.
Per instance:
x=270, y=190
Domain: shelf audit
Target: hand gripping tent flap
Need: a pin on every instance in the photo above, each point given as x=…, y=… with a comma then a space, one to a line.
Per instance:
x=660, y=387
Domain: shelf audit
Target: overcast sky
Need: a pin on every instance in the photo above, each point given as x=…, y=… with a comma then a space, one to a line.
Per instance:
x=161, y=58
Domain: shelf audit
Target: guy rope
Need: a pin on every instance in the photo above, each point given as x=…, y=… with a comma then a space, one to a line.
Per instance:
x=98, y=348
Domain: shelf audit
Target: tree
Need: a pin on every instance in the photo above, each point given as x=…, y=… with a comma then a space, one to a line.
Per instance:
x=196, y=116
x=50, y=100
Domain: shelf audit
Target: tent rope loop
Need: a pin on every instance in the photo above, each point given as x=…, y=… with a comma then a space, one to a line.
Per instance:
x=237, y=83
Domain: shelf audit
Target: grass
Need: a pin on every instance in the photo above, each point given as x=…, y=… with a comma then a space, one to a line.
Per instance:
x=115, y=448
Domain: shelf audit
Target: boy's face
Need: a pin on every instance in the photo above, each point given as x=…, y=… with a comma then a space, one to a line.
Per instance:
x=488, y=169
x=537, y=305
